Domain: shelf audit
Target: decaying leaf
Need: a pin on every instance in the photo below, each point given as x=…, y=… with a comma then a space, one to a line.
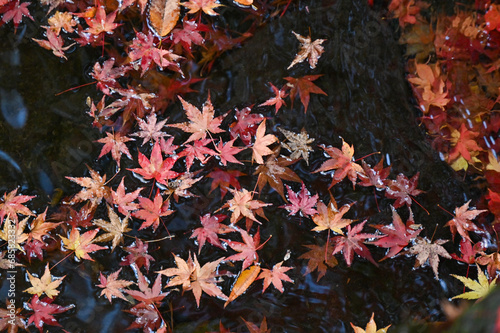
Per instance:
x=319, y=258
x=297, y=144
x=115, y=228
x=163, y=15
x=429, y=252
x=309, y=49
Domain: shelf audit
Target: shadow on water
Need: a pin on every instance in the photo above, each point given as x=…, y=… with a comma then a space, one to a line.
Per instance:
x=45, y=137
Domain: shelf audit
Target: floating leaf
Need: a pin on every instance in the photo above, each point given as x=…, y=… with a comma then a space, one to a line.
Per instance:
x=163, y=15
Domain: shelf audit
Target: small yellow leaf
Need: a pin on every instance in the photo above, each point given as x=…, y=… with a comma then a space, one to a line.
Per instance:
x=480, y=288
x=246, y=278
x=44, y=284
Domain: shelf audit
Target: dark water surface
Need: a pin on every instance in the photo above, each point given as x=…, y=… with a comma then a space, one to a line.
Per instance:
x=46, y=137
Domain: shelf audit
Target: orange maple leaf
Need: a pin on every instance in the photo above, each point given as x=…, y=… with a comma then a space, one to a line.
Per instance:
x=262, y=141
x=82, y=244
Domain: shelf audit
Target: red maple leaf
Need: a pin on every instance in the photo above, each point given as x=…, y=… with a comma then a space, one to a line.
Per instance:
x=15, y=10
x=492, y=18
x=301, y=201
x=138, y=255
x=151, y=129
x=277, y=101
x=101, y=22
x=462, y=221
x=402, y=189
x=43, y=312
x=375, y=176
x=106, y=75
x=147, y=317
x=188, y=35
x=115, y=143
x=245, y=125
x=152, y=211
x=124, y=200
x=11, y=205
x=145, y=294
x=247, y=250
x=353, y=242
x=197, y=150
x=465, y=142
x=304, y=86
x=54, y=43
x=224, y=180
x=397, y=235
x=156, y=168
x=211, y=228
x=468, y=251
x=275, y=276
x=227, y=152
x=342, y=162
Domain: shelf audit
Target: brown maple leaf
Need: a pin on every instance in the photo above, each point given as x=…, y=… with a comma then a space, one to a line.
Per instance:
x=309, y=49
x=201, y=122
x=429, y=252
x=262, y=141
x=319, y=258
x=115, y=228
x=462, y=222
x=94, y=190
x=44, y=285
x=252, y=328
x=112, y=286
x=274, y=171
x=298, y=144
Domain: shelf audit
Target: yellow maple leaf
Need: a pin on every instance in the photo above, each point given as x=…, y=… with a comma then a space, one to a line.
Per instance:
x=480, y=288
x=371, y=327
x=45, y=284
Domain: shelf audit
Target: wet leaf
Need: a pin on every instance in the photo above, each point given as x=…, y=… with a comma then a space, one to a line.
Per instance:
x=163, y=15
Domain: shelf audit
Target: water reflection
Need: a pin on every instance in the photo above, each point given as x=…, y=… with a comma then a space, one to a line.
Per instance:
x=13, y=108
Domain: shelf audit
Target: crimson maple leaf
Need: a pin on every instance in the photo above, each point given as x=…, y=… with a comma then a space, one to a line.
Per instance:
x=112, y=286
x=11, y=205
x=469, y=252
x=138, y=255
x=304, y=86
x=277, y=100
x=275, y=276
x=106, y=75
x=43, y=312
x=124, y=200
x=342, y=162
x=464, y=143
x=301, y=201
x=375, y=176
x=224, y=180
x=145, y=294
x=247, y=250
x=101, y=22
x=353, y=242
x=402, y=189
x=188, y=35
x=152, y=211
x=156, y=168
x=147, y=317
x=211, y=228
x=245, y=125
x=115, y=143
x=397, y=235
x=201, y=122
x=462, y=221
x=15, y=10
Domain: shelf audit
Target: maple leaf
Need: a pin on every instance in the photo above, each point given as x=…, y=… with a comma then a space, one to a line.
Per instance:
x=371, y=327
x=462, y=222
x=43, y=312
x=211, y=228
x=227, y=151
x=106, y=75
x=112, y=286
x=147, y=317
x=342, y=162
x=201, y=122
x=301, y=201
x=101, y=22
x=11, y=205
x=492, y=18
x=9, y=324
x=429, y=252
x=243, y=205
x=15, y=12
x=152, y=211
x=62, y=20
x=197, y=150
x=319, y=257
x=406, y=10
x=138, y=255
x=353, y=242
x=331, y=218
x=298, y=144
x=397, y=235
x=95, y=189
x=125, y=201
x=144, y=49
x=180, y=187
x=309, y=49
x=45, y=284
x=375, y=176
x=188, y=35
x=247, y=250
x=145, y=294
x=40, y=228
x=115, y=143
x=479, y=288
x=402, y=189
x=82, y=245
x=156, y=168
x=115, y=229
x=304, y=86
x=6, y=263
x=429, y=86
x=224, y=179
x=261, y=142
x=207, y=6
x=151, y=129
x=13, y=233
x=273, y=171
x=252, y=328
x=277, y=101
x=468, y=251
x=54, y=43
x=464, y=144
x=245, y=125
x=275, y=276
x=194, y=277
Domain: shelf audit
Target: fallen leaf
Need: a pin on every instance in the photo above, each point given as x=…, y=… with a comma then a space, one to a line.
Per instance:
x=309, y=49
x=479, y=288
x=46, y=284
x=244, y=280
x=163, y=15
